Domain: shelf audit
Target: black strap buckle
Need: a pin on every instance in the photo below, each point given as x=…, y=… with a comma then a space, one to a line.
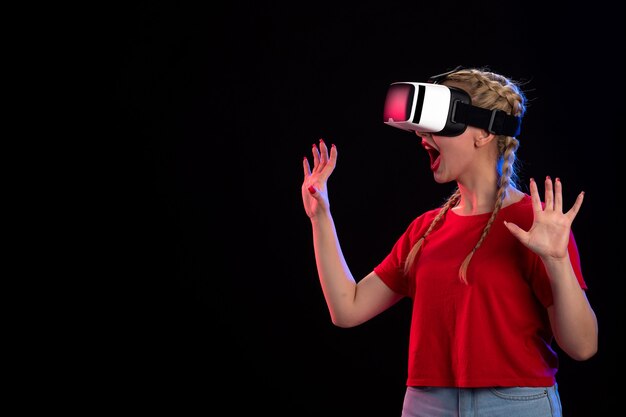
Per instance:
x=453, y=114
x=497, y=121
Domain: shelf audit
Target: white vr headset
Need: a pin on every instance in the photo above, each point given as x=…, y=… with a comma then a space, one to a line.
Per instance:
x=446, y=111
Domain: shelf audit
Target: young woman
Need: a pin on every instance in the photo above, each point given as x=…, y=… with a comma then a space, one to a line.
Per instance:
x=494, y=273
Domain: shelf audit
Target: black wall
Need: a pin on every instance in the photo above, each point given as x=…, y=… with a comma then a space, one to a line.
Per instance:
x=214, y=109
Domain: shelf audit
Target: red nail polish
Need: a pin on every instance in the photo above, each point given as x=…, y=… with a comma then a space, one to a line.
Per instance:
x=311, y=189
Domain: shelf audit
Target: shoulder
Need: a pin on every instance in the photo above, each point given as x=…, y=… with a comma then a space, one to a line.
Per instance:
x=520, y=212
x=418, y=226
x=425, y=218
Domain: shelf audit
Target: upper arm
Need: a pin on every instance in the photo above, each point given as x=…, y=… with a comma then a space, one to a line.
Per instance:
x=372, y=297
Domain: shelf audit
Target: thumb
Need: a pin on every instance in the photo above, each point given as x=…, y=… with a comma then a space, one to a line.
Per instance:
x=517, y=231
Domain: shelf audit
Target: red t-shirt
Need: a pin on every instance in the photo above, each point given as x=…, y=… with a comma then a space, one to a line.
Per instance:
x=494, y=331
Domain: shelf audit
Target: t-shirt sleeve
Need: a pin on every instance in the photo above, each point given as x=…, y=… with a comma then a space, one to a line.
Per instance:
x=391, y=269
x=541, y=282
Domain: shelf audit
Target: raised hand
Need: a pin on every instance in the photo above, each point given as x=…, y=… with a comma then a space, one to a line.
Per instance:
x=549, y=234
x=314, y=190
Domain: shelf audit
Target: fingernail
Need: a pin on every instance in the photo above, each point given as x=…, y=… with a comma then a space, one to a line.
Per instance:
x=557, y=179
x=311, y=189
x=322, y=141
x=532, y=180
x=332, y=145
x=547, y=177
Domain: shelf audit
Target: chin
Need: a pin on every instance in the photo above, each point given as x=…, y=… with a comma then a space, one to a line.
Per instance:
x=439, y=179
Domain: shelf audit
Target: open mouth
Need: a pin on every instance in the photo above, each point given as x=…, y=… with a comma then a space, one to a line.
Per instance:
x=433, y=154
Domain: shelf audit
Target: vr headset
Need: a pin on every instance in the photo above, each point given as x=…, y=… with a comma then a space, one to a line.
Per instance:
x=446, y=111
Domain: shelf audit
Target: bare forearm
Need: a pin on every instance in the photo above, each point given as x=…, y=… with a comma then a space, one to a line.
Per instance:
x=337, y=282
x=574, y=322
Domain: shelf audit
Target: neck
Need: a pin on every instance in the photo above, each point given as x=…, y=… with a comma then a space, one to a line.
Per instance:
x=479, y=200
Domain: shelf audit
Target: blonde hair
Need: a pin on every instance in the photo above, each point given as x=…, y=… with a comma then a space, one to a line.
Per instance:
x=491, y=91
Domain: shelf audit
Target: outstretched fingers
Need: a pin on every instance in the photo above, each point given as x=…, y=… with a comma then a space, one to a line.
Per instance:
x=558, y=195
x=517, y=231
x=332, y=160
x=549, y=194
x=316, y=161
x=324, y=161
x=554, y=197
x=323, y=153
x=576, y=207
x=320, y=156
x=558, y=200
x=316, y=157
x=534, y=195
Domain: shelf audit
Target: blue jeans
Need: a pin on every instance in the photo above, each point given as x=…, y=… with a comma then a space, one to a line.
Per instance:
x=482, y=402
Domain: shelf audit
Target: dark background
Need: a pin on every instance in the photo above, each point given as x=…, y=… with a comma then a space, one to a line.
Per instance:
x=216, y=300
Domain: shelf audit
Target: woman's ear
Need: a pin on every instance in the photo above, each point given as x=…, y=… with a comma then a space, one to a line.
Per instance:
x=482, y=138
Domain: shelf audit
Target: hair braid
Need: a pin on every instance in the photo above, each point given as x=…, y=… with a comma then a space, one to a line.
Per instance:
x=450, y=202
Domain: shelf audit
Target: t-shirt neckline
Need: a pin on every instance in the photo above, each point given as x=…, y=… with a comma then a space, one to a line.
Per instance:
x=522, y=200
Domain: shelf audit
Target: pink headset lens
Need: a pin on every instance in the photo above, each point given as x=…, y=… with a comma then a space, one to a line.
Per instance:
x=397, y=103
